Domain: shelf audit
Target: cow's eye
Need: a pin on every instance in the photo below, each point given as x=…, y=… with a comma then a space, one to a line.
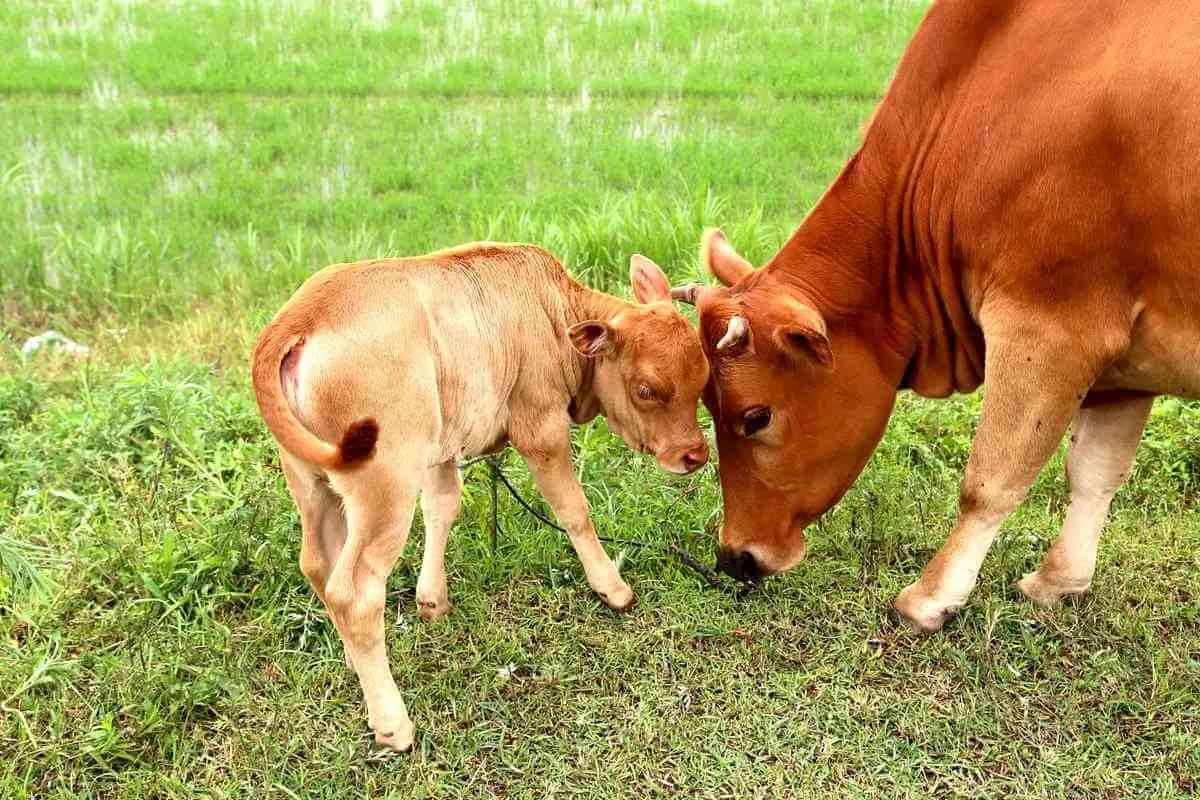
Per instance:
x=755, y=419
x=644, y=392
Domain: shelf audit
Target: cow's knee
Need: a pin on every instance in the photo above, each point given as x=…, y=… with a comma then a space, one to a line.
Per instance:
x=1094, y=487
x=983, y=498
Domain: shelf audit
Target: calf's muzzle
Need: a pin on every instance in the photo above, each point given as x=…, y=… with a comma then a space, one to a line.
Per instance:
x=687, y=459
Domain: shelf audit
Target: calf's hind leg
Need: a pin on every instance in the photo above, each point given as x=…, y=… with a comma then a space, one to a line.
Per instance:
x=1103, y=442
x=322, y=523
x=379, y=498
x=441, y=501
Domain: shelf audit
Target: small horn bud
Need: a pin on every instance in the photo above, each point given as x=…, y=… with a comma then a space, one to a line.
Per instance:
x=736, y=335
x=685, y=293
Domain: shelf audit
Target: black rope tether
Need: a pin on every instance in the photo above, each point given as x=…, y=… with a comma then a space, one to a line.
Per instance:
x=711, y=578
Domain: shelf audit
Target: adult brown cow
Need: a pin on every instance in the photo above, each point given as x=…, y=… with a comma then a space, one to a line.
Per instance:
x=1025, y=208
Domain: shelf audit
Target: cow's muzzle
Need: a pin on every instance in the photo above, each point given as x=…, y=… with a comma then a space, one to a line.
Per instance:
x=739, y=565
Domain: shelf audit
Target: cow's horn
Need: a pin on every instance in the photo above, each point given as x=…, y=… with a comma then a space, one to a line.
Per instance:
x=736, y=334
x=686, y=293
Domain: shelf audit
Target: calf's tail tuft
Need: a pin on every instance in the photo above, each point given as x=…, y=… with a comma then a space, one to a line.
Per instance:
x=358, y=442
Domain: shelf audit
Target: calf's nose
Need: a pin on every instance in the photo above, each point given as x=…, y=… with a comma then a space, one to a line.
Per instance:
x=695, y=458
x=740, y=566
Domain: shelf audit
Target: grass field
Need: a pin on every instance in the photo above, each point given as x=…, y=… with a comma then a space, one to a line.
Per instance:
x=170, y=172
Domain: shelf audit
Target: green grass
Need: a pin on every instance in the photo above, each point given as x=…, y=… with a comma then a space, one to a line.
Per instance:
x=169, y=174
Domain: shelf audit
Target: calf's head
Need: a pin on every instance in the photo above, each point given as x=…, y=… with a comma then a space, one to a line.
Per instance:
x=798, y=407
x=649, y=372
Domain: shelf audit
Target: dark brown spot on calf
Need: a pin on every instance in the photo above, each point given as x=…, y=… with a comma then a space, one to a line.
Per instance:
x=358, y=442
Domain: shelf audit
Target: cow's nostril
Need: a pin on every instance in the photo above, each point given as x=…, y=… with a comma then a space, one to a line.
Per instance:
x=740, y=566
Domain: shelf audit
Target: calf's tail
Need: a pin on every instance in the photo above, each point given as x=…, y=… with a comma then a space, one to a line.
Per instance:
x=358, y=441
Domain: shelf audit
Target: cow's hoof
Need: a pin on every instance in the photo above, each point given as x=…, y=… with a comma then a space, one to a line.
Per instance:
x=920, y=612
x=434, y=609
x=619, y=599
x=1048, y=594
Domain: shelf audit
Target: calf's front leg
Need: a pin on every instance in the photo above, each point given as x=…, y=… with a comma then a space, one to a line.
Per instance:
x=549, y=459
x=441, y=501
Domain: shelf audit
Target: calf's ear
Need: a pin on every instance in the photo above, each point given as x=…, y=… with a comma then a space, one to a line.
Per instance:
x=650, y=283
x=803, y=335
x=592, y=338
x=721, y=259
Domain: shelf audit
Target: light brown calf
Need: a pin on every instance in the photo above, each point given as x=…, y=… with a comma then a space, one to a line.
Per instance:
x=411, y=364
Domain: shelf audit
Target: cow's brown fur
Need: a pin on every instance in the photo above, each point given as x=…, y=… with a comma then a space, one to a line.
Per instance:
x=1025, y=206
x=412, y=364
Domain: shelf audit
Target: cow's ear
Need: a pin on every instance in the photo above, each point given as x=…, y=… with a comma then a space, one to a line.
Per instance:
x=722, y=260
x=592, y=338
x=649, y=282
x=804, y=335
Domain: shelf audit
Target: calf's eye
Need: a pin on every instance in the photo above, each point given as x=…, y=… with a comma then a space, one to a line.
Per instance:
x=755, y=419
x=644, y=392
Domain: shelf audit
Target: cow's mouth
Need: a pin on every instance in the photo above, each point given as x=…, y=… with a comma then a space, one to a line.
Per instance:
x=741, y=565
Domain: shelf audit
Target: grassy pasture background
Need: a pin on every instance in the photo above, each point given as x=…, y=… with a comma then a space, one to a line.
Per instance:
x=170, y=172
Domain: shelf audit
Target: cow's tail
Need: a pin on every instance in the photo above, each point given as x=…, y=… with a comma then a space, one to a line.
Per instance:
x=358, y=441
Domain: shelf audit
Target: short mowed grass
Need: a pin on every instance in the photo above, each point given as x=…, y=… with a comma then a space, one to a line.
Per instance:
x=170, y=172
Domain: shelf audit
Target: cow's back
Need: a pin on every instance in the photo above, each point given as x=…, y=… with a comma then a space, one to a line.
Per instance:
x=1068, y=148
x=1079, y=121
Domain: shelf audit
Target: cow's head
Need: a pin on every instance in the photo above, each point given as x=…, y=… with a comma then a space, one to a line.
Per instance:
x=798, y=403
x=649, y=372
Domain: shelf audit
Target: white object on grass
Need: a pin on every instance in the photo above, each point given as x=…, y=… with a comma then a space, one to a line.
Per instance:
x=35, y=343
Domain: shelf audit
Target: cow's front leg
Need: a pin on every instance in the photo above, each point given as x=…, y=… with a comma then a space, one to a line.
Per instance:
x=1104, y=439
x=1035, y=383
x=548, y=454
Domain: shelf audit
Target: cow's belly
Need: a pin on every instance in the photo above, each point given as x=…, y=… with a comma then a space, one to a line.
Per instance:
x=1163, y=357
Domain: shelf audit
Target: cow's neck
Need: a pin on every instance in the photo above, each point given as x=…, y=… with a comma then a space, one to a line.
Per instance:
x=585, y=304
x=877, y=257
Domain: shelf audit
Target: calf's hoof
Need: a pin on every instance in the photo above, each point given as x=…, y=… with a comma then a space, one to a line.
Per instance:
x=398, y=739
x=620, y=598
x=392, y=728
x=920, y=612
x=433, y=609
x=1046, y=593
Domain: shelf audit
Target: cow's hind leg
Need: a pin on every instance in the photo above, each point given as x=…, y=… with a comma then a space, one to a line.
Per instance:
x=379, y=499
x=441, y=500
x=1103, y=442
x=1037, y=375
